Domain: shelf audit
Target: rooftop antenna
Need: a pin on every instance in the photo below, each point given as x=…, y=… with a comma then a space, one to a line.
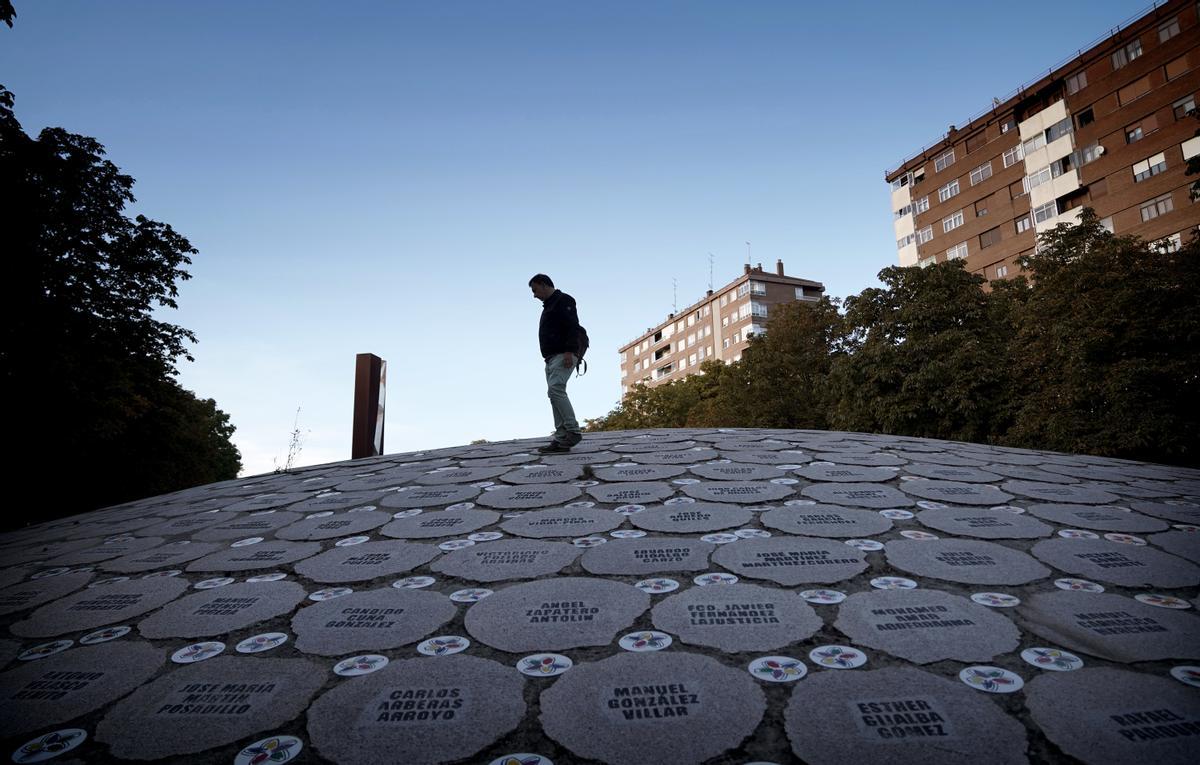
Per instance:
x=710, y=270
x=747, y=253
x=674, y=296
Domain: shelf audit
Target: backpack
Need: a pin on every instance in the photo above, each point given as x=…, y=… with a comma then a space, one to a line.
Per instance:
x=580, y=364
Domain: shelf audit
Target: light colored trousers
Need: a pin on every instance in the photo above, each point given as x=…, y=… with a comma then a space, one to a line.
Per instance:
x=566, y=429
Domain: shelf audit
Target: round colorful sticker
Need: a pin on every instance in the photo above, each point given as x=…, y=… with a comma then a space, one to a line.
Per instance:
x=321, y=514
x=866, y=545
x=485, y=536
x=49, y=573
x=1077, y=534
x=544, y=665
x=1078, y=585
x=837, y=657
x=209, y=584
x=896, y=515
x=469, y=596
x=777, y=669
x=581, y=503
x=407, y=513
x=655, y=586
x=704, y=580
x=823, y=597
x=50, y=745
x=512, y=515
x=274, y=576
x=784, y=481
x=588, y=541
x=44, y=650
x=197, y=652
x=104, y=635
x=1052, y=659
x=484, y=484
x=158, y=574
x=455, y=544
x=330, y=593
x=1186, y=674
x=720, y=538
x=679, y=501
x=274, y=750
x=452, y=508
x=263, y=642
x=996, y=599
x=686, y=481
x=443, y=645
x=1009, y=509
x=247, y=542
x=1125, y=539
x=752, y=534
x=991, y=679
x=629, y=509
x=1162, y=601
x=1188, y=527
x=413, y=582
x=893, y=583
x=586, y=484
x=522, y=758
x=110, y=580
x=351, y=541
x=627, y=534
x=921, y=536
x=799, y=502
x=646, y=640
x=925, y=504
x=360, y=665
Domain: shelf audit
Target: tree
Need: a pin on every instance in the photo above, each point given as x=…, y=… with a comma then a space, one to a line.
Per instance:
x=83, y=359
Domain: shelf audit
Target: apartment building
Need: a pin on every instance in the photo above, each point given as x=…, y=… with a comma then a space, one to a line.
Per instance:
x=1110, y=129
x=718, y=327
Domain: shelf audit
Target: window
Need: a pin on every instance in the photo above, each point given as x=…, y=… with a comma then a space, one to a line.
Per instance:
x=921, y=205
x=1132, y=135
x=1127, y=54
x=1045, y=212
x=1176, y=67
x=662, y=352
x=1170, y=243
x=692, y=319
x=1064, y=165
x=708, y=310
x=637, y=366
x=924, y=235
x=743, y=289
x=1168, y=29
x=1107, y=224
x=758, y=288
x=953, y=222
x=726, y=343
x=743, y=313
x=708, y=330
x=683, y=363
x=724, y=299
x=947, y=191
x=943, y=161
x=981, y=173
x=1024, y=223
x=691, y=340
x=902, y=181
x=1133, y=90
x=981, y=207
x=1088, y=154
x=757, y=329
x=1001, y=272
x=957, y=251
x=737, y=337
x=903, y=211
x=1009, y=123
x=1086, y=117
x=725, y=321
x=758, y=309
x=1016, y=188
x=1149, y=167
x=1183, y=106
x=1033, y=144
x=663, y=371
x=1013, y=156
x=1156, y=207
x=1059, y=129
x=692, y=359
x=976, y=141
x=927, y=261
x=1033, y=180
x=989, y=237
x=1076, y=82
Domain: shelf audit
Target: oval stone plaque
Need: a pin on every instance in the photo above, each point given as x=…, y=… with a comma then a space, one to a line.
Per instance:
x=169, y=554
x=370, y=620
x=631, y=492
x=264, y=555
x=648, y=555
x=1095, y=517
x=859, y=495
x=429, y=496
x=964, y=560
x=18, y=597
x=1111, y=626
x=563, y=522
x=461, y=475
x=333, y=526
x=508, y=559
x=984, y=523
x=956, y=492
x=737, y=471
x=739, y=492
x=792, y=560
x=846, y=473
x=737, y=617
x=447, y=523
x=529, y=496
x=1107, y=561
x=222, y=610
x=363, y=562
x=246, y=526
x=113, y=603
x=826, y=521
x=1080, y=495
x=693, y=518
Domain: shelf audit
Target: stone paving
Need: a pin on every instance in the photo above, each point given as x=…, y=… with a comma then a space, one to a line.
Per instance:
x=669, y=596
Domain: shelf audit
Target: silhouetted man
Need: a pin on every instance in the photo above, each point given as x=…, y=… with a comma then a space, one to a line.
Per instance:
x=558, y=336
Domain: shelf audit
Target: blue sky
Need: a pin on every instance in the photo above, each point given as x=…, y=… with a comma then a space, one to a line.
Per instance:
x=386, y=176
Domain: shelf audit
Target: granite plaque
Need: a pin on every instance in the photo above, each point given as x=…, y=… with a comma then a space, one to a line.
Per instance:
x=648, y=555
x=429, y=496
x=168, y=555
x=1028, y=473
x=956, y=492
x=566, y=522
x=44, y=693
x=210, y=704
x=1185, y=544
x=639, y=492
x=639, y=472
x=332, y=526
x=737, y=471
x=693, y=518
x=898, y=715
x=1111, y=626
x=418, y=710
x=684, y=457
x=188, y=524
x=858, y=495
x=263, y=555
x=447, y=523
x=792, y=560
x=88, y=609
x=461, y=475
x=826, y=521
x=18, y=597
x=684, y=707
x=360, y=563
x=846, y=473
x=1128, y=565
x=370, y=620
x=737, y=617
x=591, y=458
x=335, y=500
x=246, y=526
x=967, y=561
x=108, y=550
x=924, y=626
x=508, y=559
x=1183, y=512
x=529, y=496
x=739, y=492
x=266, y=502
x=984, y=523
x=1097, y=517
x=223, y=610
x=542, y=474
x=555, y=614
x=867, y=459
x=951, y=473
x=1104, y=715
x=781, y=458
x=1074, y=494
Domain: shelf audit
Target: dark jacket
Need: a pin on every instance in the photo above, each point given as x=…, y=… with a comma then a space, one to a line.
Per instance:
x=558, y=330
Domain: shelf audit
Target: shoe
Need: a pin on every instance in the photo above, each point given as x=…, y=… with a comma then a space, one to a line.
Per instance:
x=554, y=447
x=573, y=439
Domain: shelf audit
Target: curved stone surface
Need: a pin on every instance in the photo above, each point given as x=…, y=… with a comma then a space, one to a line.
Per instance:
x=563, y=522
x=983, y=523
x=951, y=473
x=461, y=475
x=706, y=709
x=826, y=521
x=898, y=715
x=333, y=526
x=418, y=710
x=370, y=620
x=631, y=492
x=167, y=555
x=924, y=626
x=91, y=608
x=846, y=473
x=1075, y=494
x=639, y=472
x=247, y=526
x=254, y=557
x=737, y=471
x=97, y=551
x=1096, y=517
x=335, y=500
x=1111, y=626
x=968, y=561
x=209, y=704
x=649, y=555
x=956, y=492
x=555, y=614
x=737, y=617
x=18, y=597
x=1185, y=544
x=222, y=610
x=1128, y=565
x=266, y=502
x=527, y=496
x=447, y=523
x=675, y=457
x=739, y=492
x=1183, y=512
x=361, y=563
x=792, y=560
x=869, y=495
x=408, y=497
x=692, y=518
x=43, y=693
x=542, y=474
x=507, y=559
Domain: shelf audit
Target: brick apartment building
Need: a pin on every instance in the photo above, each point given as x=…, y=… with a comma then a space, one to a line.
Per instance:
x=716, y=327
x=1109, y=129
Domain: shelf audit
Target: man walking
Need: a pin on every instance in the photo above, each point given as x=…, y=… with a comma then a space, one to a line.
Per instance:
x=558, y=336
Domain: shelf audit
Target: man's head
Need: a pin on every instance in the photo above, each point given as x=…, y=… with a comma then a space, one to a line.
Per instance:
x=542, y=286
